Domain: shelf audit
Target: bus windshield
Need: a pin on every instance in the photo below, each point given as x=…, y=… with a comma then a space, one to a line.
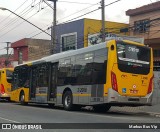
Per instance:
x=133, y=59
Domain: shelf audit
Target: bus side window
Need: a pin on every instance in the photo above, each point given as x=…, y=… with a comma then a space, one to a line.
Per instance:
x=42, y=75
x=99, y=67
x=71, y=73
x=64, y=72
x=84, y=75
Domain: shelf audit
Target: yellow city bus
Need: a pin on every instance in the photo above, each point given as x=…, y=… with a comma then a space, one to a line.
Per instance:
x=112, y=73
x=5, y=83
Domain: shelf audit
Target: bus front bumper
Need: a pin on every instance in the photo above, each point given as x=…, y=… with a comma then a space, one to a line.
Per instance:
x=116, y=99
x=4, y=95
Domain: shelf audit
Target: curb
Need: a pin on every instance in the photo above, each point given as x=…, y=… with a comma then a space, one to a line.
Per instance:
x=154, y=114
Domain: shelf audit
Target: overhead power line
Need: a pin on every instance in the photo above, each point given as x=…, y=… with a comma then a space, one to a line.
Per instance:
x=63, y=17
x=28, y=22
x=71, y=2
x=81, y=15
x=151, y=1
x=38, y=34
x=84, y=14
x=48, y=4
x=90, y=12
x=16, y=19
x=18, y=24
x=79, y=11
x=14, y=11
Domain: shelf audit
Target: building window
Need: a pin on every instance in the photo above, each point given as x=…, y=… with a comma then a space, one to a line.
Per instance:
x=141, y=26
x=20, y=57
x=69, y=41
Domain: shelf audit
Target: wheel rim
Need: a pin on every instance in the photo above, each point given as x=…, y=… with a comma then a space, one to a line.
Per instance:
x=67, y=100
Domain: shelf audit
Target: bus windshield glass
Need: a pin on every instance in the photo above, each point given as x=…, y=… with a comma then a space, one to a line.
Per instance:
x=133, y=58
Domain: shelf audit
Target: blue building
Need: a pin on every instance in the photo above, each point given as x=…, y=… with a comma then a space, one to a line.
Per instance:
x=74, y=35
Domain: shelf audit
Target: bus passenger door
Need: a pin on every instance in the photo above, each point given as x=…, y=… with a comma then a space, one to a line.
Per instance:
x=33, y=79
x=53, y=81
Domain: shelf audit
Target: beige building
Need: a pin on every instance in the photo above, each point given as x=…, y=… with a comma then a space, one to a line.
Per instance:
x=28, y=49
x=145, y=22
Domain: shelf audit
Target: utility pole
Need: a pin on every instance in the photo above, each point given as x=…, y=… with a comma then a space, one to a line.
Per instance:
x=103, y=20
x=7, y=48
x=53, y=29
x=7, y=57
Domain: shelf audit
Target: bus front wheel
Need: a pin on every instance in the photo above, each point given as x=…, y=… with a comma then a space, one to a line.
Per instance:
x=68, y=101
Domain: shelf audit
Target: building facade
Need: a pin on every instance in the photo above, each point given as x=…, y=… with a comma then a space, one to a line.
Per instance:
x=145, y=22
x=74, y=35
x=69, y=36
x=28, y=49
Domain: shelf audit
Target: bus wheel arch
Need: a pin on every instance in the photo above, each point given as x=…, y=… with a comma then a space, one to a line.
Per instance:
x=67, y=99
x=22, y=98
x=65, y=90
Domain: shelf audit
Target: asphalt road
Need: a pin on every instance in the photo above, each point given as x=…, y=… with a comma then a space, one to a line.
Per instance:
x=33, y=113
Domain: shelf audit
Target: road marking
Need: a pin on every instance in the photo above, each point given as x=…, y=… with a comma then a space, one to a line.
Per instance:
x=9, y=120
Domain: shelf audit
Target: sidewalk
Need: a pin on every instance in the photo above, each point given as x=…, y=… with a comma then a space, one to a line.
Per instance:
x=154, y=110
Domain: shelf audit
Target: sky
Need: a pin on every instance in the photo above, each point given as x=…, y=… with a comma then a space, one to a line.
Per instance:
x=13, y=28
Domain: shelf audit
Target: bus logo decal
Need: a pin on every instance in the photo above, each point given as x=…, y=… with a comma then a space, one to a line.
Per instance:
x=133, y=91
x=134, y=86
x=123, y=90
x=123, y=76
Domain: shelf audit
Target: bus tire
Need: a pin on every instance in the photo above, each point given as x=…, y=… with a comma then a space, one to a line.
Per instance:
x=68, y=101
x=101, y=108
x=22, y=100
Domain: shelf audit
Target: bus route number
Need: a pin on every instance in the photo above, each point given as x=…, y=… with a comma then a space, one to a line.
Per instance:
x=133, y=49
x=81, y=90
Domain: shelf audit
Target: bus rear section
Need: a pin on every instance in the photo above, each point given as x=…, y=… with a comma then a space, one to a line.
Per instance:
x=5, y=83
x=131, y=75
